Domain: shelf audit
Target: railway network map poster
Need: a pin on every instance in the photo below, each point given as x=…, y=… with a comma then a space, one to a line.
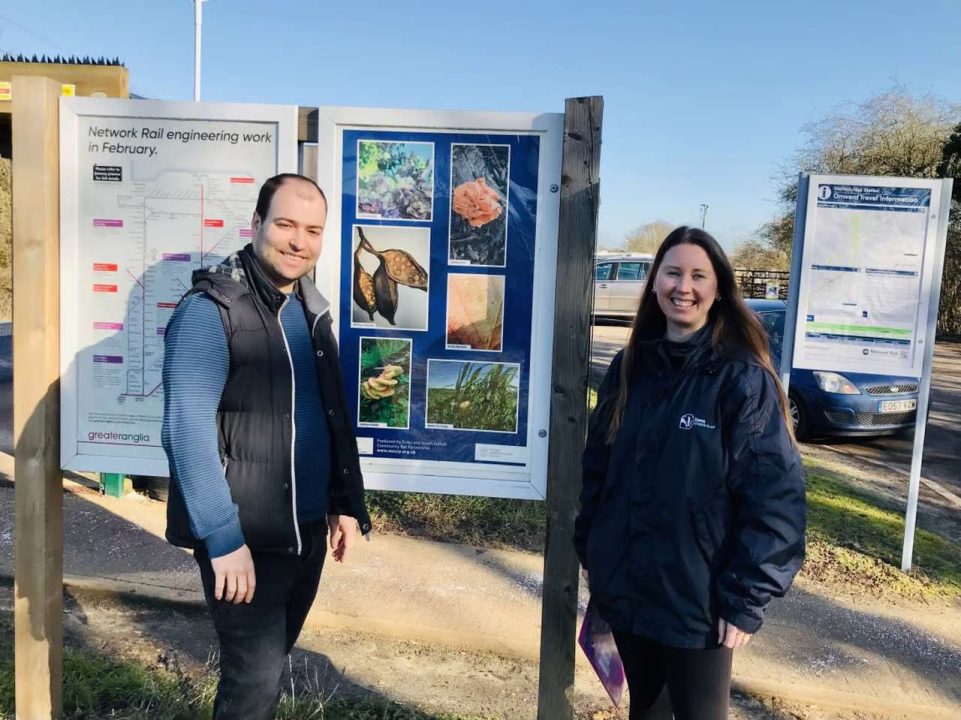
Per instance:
x=150, y=192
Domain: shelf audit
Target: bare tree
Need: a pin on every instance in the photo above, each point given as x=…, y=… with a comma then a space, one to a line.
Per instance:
x=894, y=134
x=647, y=238
x=754, y=254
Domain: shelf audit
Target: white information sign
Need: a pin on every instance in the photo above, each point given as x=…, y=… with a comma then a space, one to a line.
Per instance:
x=440, y=263
x=866, y=269
x=150, y=191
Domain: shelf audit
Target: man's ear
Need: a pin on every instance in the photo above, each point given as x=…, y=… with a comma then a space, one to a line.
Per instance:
x=255, y=223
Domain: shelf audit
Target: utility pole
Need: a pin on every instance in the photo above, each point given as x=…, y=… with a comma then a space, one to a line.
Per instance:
x=198, y=26
x=703, y=215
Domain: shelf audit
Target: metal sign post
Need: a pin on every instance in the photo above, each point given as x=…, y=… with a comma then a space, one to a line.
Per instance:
x=924, y=398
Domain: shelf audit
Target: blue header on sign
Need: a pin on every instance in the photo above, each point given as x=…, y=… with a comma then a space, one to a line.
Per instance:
x=873, y=197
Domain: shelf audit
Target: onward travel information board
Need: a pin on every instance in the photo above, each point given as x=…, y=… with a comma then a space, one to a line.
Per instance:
x=447, y=245
x=867, y=266
x=150, y=192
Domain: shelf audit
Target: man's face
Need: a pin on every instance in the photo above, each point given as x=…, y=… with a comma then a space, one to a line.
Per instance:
x=288, y=241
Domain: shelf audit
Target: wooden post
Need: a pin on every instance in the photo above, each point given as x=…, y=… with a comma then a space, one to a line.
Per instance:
x=38, y=542
x=576, y=243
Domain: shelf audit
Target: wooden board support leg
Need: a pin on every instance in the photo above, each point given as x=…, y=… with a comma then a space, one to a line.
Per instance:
x=38, y=541
x=576, y=243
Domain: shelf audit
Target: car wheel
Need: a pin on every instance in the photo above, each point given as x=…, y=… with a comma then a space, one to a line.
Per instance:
x=799, y=418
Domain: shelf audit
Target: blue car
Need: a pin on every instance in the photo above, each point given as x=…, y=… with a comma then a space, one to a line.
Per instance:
x=825, y=403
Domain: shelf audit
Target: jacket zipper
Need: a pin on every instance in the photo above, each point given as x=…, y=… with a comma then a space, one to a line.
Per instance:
x=293, y=425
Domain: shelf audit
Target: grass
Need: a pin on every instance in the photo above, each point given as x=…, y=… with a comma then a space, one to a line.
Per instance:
x=97, y=685
x=487, y=522
x=853, y=538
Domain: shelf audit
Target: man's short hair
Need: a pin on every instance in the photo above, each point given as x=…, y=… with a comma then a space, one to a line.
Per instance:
x=270, y=187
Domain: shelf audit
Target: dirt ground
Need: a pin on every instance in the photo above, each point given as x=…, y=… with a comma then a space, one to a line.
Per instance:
x=181, y=639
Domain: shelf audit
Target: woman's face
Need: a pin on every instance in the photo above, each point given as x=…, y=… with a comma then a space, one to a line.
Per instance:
x=686, y=287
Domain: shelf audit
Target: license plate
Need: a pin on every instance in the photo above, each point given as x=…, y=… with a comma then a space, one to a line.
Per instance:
x=893, y=406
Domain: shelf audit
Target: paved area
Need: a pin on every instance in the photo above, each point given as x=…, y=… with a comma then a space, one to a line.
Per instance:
x=814, y=647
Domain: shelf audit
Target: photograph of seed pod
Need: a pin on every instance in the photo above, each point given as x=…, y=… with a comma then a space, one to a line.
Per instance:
x=475, y=311
x=389, y=281
x=479, y=180
x=472, y=395
x=395, y=180
x=384, y=383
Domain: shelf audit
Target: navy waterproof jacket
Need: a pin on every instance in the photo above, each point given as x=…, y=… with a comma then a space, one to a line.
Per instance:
x=696, y=511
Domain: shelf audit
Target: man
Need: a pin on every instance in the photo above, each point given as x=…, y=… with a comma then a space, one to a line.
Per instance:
x=263, y=460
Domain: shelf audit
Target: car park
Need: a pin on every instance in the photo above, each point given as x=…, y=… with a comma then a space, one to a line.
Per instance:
x=618, y=282
x=828, y=403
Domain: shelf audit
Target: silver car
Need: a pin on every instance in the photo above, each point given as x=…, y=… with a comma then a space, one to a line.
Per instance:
x=618, y=283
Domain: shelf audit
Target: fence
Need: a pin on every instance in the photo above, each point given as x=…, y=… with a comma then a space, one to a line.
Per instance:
x=762, y=284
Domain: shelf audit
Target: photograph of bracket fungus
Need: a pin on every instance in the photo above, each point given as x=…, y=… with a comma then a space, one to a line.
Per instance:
x=384, y=383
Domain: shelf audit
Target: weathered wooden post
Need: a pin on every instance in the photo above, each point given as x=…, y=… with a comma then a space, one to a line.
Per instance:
x=576, y=243
x=38, y=544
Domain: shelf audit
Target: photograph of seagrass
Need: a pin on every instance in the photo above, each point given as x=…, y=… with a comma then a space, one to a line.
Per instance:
x=479, y=180
x=475, y=311
x=389, y=283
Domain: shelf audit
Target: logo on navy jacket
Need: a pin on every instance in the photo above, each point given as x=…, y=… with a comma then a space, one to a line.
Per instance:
x=689, y=421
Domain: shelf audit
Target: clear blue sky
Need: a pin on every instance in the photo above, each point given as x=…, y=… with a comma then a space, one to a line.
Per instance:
x=704, y=101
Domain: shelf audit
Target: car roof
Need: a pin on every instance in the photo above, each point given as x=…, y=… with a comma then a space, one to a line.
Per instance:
x=765, y=305
x=621, y=258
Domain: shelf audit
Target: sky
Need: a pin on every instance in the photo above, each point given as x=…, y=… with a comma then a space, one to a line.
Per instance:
x=704, y=102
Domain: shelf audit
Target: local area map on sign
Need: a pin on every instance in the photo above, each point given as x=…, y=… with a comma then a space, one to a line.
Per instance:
x=144, y=224
x=863, y=267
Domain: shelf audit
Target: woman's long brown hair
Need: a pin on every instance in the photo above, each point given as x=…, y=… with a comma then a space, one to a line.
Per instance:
x=735, y=326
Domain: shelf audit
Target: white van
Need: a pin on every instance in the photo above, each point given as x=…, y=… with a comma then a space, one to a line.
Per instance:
x=618, y=282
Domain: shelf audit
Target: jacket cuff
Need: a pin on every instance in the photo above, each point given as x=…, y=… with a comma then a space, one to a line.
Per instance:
x=225, y=540
x=352, y=508
x=742, y=621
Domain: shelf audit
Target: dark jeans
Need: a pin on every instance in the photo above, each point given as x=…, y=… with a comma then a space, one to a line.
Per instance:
x=691, y=684
x=255, y=638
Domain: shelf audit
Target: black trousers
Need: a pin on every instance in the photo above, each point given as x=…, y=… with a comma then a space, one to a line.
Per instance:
x=666, y=682
x=255, y=638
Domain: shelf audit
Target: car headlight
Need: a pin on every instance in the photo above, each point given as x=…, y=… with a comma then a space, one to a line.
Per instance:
x=835, y=383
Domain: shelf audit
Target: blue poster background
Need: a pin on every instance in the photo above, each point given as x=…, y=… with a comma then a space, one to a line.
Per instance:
x=419, y=442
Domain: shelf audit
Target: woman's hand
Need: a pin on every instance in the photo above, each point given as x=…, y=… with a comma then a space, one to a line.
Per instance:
x=730, y=636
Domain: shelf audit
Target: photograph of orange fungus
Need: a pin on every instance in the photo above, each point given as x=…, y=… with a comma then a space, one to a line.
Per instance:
x=479, y=192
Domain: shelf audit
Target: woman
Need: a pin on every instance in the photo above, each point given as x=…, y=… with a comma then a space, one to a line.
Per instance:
x=692, y=510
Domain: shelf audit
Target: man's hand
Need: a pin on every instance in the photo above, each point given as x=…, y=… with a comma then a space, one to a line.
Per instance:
x=730, y=636
x=234, y=579
x=342, y=532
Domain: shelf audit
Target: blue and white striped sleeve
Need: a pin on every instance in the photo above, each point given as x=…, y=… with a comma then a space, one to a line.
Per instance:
x=196, y=362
